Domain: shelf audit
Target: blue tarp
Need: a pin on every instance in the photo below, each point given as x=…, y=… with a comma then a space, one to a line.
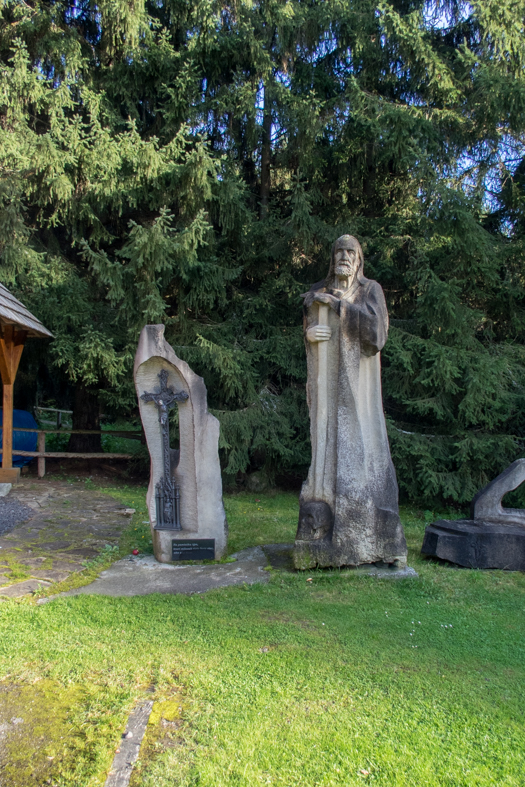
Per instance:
x=24, y=441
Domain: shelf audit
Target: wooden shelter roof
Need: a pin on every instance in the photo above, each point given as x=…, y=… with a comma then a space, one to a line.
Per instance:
x=12, y=312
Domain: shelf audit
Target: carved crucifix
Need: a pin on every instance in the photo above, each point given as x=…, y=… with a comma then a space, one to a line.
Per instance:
x=167, y=493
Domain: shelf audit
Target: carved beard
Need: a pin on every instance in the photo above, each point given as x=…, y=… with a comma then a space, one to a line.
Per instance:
x=346, y=270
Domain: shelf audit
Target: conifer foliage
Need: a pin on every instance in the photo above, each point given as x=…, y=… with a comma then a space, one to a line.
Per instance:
x=191, y=164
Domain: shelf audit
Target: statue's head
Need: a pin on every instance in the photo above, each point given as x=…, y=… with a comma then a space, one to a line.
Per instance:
x=347, y=260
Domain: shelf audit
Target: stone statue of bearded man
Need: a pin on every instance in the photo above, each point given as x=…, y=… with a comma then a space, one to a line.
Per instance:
x=349, y=503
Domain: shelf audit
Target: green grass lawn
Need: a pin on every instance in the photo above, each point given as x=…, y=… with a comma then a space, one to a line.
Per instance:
x=341, y=680
x=253, y=519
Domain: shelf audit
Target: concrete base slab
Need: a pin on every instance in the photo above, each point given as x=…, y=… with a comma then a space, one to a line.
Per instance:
x=5, y=489
x=140, y=576
x=280, y=557
x=386, y=571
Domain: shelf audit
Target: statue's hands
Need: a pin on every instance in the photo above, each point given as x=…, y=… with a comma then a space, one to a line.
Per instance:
x=308, y=298
x=321, y=297
x=330, y=300
x=319, y=333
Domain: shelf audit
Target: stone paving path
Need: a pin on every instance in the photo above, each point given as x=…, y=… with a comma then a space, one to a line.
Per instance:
x=70, y=525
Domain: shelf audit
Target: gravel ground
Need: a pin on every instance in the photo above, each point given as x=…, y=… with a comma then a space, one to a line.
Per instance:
x=12, y=512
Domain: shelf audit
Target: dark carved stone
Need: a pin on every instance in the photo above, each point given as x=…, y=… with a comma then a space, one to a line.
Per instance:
x=167, y=493
x=493, y=538
x=315, y=520
x=486, y=504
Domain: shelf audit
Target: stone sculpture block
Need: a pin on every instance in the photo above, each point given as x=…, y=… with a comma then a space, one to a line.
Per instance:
x=494, y=537
x=349, y=503
x=184, y=497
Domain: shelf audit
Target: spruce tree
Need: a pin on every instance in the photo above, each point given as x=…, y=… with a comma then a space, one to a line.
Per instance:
x=192, y=165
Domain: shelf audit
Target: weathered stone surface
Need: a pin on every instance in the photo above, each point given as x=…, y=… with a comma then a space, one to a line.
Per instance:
x=280, y=556
x=129, y=748
x=386, y=571
x=197, y=471
x=48, y=539
x=56, y=546
x=83, y=552
x=493, y=538
x=52, y=574
x=33, y=562
x=256, y=482
x=65, y=566
x=476, y=544
x=349, y=503
x=23, y=588
x=486, y=504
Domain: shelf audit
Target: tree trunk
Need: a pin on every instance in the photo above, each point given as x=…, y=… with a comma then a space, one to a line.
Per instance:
x=242, y=134
x=86, y=415
x=266, y=153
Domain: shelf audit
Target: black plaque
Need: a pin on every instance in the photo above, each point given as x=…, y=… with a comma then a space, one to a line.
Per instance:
x=193, y=549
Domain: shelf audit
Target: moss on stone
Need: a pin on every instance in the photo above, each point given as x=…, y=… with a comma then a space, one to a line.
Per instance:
x=162, y=733
x=31, y=748
x=16, y=570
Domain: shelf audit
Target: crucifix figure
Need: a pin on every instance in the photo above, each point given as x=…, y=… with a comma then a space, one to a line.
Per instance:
x=166, y=493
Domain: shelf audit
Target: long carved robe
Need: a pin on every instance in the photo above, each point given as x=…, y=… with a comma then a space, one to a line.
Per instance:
x=352, y=516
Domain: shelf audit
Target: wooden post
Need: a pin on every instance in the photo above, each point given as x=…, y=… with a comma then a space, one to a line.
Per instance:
x=7, y=427
x=41, y=446
x=11, y=346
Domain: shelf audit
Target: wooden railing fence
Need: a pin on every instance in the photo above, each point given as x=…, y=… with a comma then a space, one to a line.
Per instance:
x=42, y=454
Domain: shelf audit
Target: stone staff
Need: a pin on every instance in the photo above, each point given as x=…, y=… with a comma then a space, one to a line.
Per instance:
x=322, y=404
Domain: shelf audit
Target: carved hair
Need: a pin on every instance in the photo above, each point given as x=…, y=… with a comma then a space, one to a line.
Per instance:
x=330, y=279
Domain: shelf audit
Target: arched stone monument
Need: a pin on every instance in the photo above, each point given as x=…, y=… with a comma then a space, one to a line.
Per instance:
x=184, y=498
